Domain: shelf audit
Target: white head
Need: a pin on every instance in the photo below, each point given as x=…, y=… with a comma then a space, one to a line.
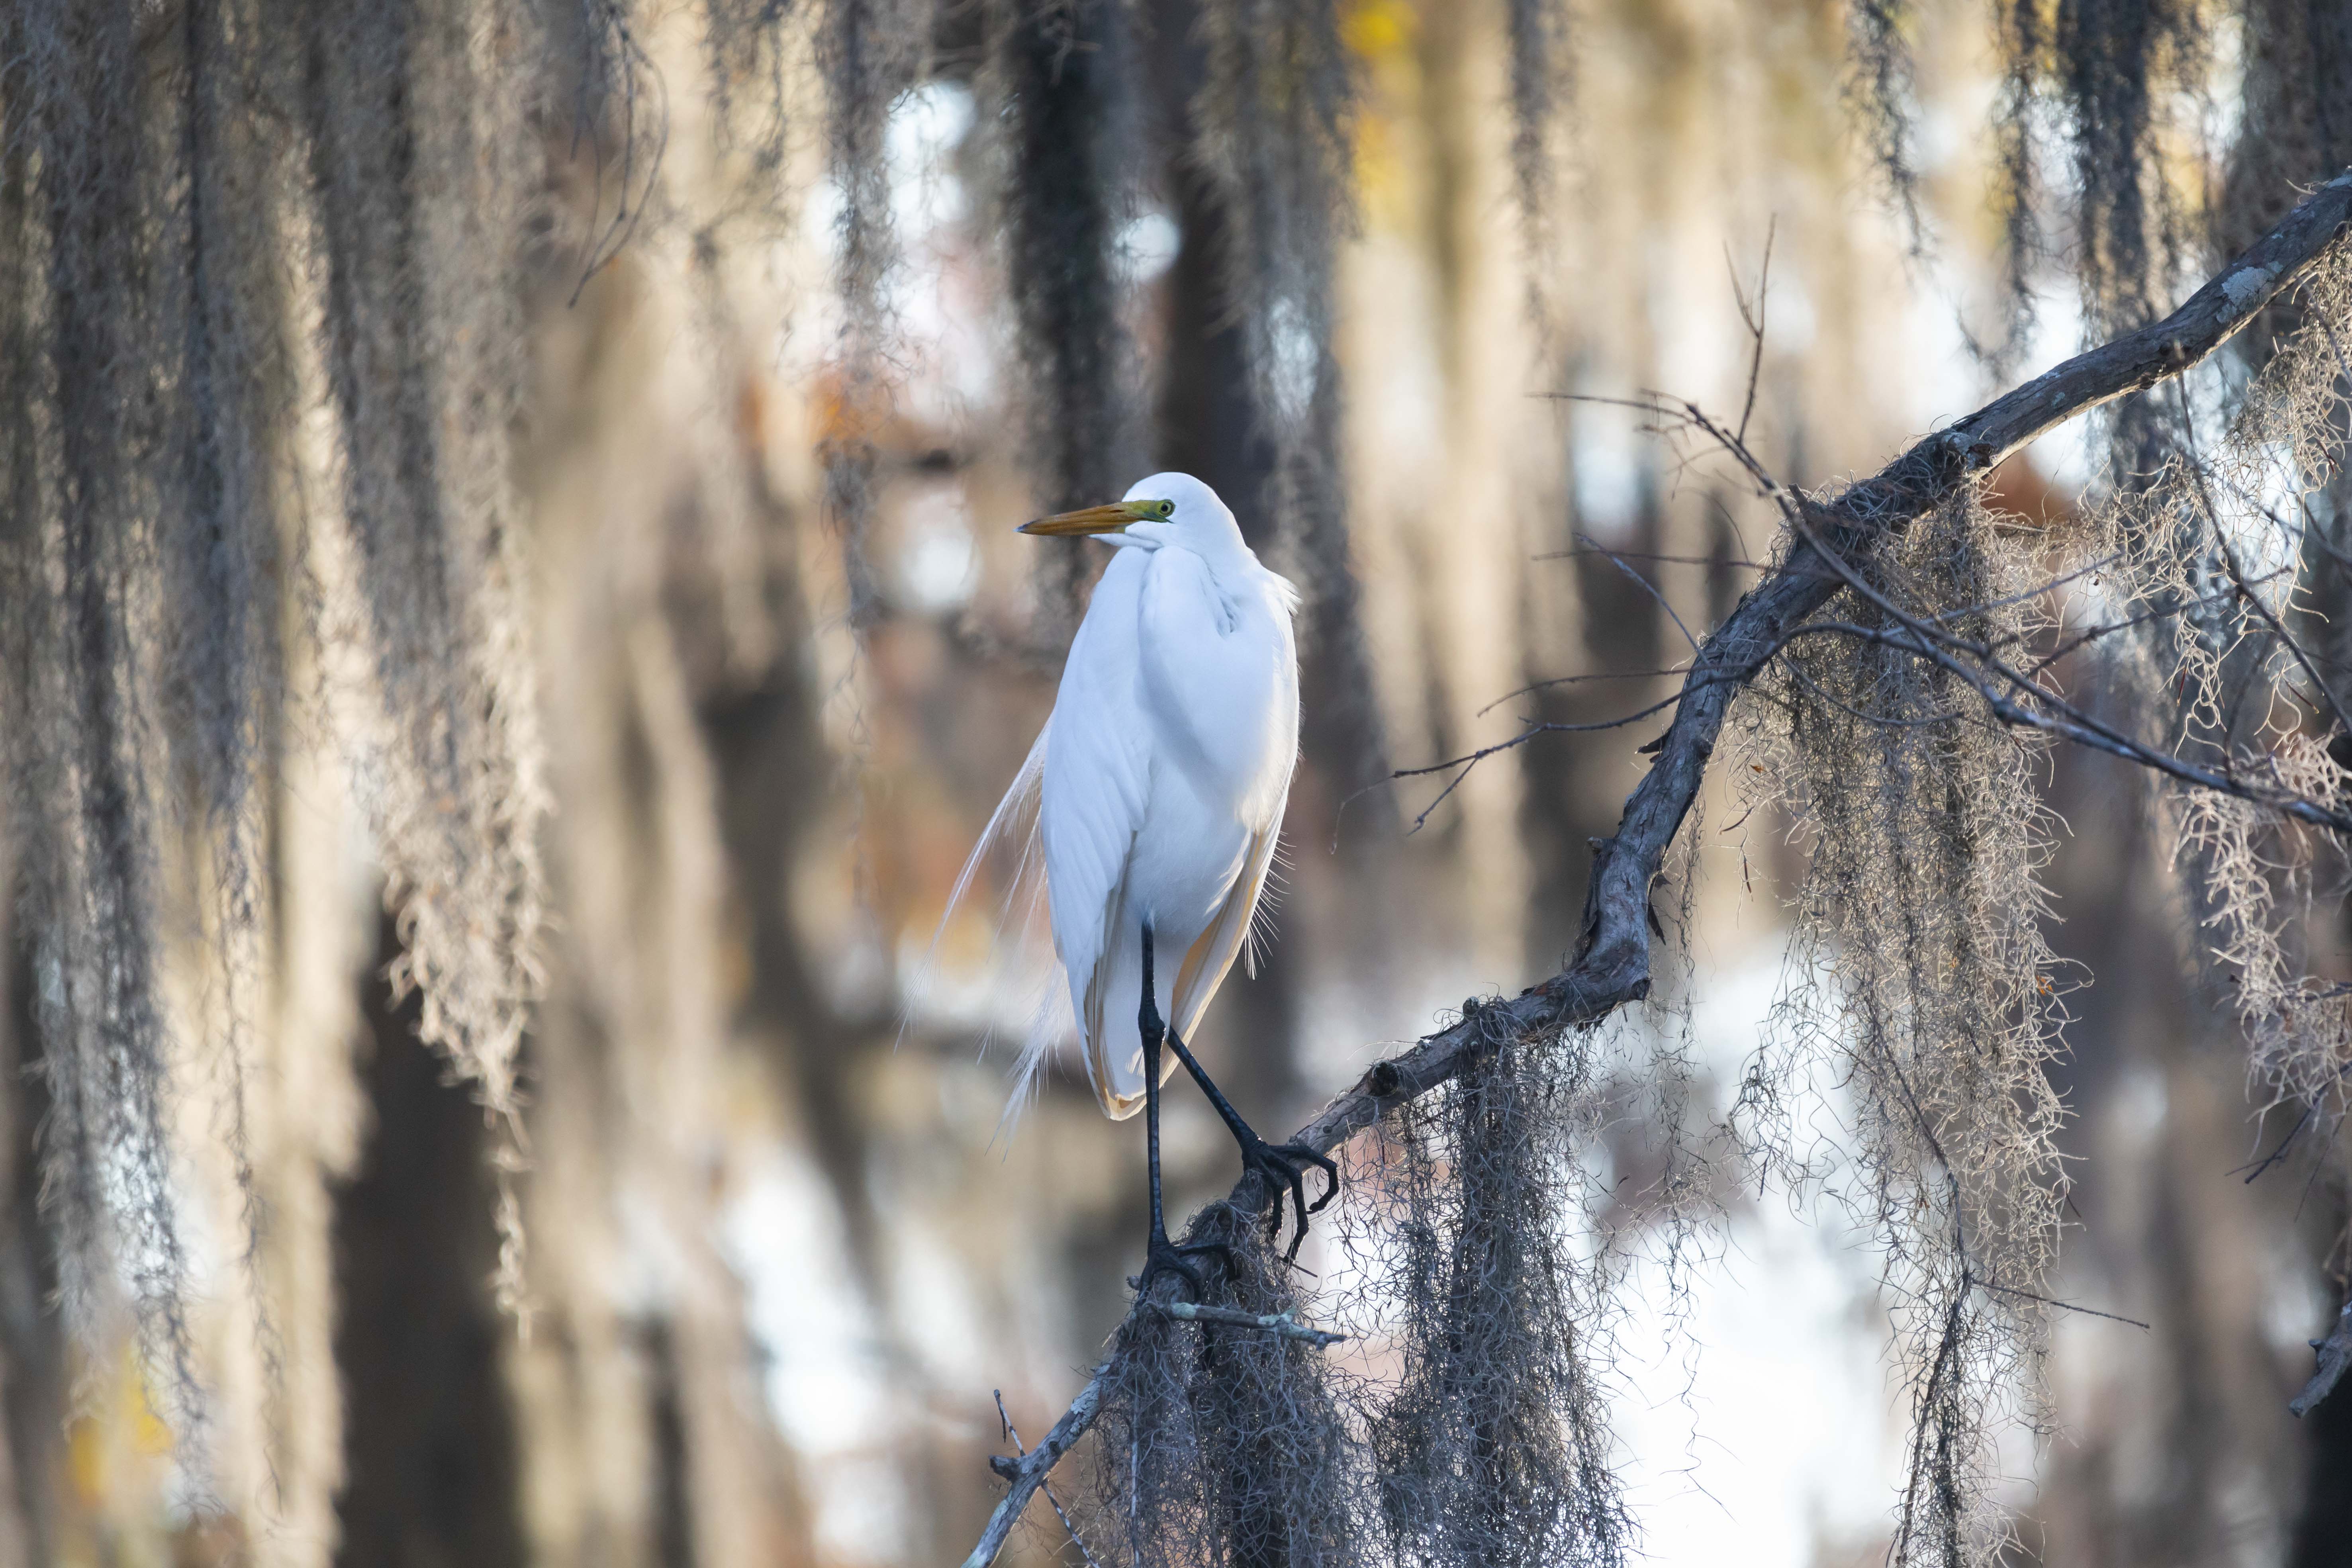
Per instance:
x=1157, y=513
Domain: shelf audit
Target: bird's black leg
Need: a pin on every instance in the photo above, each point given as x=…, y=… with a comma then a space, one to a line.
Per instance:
x=1161, y=1255
x=1282, y=1165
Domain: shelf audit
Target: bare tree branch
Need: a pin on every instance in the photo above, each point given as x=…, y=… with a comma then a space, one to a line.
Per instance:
x=1612, y=966
x=1061, y=1513
x=1029, y=1471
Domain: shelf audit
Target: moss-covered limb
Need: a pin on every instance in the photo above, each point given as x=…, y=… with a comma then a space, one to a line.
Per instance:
x=1612, y=966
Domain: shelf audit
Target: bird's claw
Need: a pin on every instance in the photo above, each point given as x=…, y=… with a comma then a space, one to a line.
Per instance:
x=1161, y=1255
x=1283, y=1166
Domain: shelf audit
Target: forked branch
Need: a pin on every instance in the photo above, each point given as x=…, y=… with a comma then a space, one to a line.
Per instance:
x=1611, y=966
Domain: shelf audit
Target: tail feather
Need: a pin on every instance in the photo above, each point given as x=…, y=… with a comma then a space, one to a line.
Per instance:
x=1018, y=925
x=1015, y=817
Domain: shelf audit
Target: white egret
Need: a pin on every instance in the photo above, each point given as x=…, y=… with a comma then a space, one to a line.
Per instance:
x=1165, y=767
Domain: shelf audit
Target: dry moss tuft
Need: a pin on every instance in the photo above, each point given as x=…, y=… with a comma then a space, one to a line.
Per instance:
x=2225, y=540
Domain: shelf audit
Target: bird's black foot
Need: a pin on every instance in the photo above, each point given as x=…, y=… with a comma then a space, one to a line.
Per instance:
x=1161, y=1255
x=1283, y=1168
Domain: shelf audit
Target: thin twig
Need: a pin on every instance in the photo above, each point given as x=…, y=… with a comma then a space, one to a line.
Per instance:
x=2054, y=1301
x=1741, y=562
x=1647, y=587
x=2002, y=686
x=2256, y=1170
x=1465, y=763
x=1754, y=321
x=1535, y=686
x=1285, y=1324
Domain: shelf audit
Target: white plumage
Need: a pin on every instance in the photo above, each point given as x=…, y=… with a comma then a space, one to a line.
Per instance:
x=1166, y=765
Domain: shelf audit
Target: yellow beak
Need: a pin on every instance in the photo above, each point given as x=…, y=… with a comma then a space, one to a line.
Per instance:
x=1092, y=518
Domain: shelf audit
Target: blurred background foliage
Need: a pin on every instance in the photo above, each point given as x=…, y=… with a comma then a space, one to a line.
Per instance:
x=549, y=474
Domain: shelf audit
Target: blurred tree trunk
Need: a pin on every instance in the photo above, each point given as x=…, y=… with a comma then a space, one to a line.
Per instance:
x=2322, y=1532
x=32, y=1344
x=645, y=1434
x=2179, y=1442
x=430, y=1443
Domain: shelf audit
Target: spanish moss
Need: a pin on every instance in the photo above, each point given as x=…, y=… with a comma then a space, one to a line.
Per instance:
x=870, y=52
x=2298, y=56
x=1922, y=979
x=103, y=255
x=420, y=156
x=1884, y=91
x=1495, y=1446
x=2203, y=536
x=1228, y=1445
x=747, y=44
x=1069, y=86
x=1270, y=129
x=1540, y=85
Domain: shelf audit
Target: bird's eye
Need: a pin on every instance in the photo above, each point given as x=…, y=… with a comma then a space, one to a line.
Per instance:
x=1165, y=508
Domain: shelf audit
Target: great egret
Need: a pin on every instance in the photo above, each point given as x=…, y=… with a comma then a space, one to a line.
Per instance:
x=1165, y=766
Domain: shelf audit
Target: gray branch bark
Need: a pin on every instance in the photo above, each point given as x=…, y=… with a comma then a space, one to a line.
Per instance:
x=2335, y=1360
x=1284, y=1324
x=1612, y=966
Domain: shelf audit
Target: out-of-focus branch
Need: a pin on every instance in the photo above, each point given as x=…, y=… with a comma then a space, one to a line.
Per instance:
x=2335, y=1360
x=1612, y=966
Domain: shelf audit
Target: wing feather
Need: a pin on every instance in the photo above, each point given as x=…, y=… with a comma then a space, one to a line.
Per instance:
x=1206, y=965
x=1095, y=789
x=1012, y=823
x=1118, y=1086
